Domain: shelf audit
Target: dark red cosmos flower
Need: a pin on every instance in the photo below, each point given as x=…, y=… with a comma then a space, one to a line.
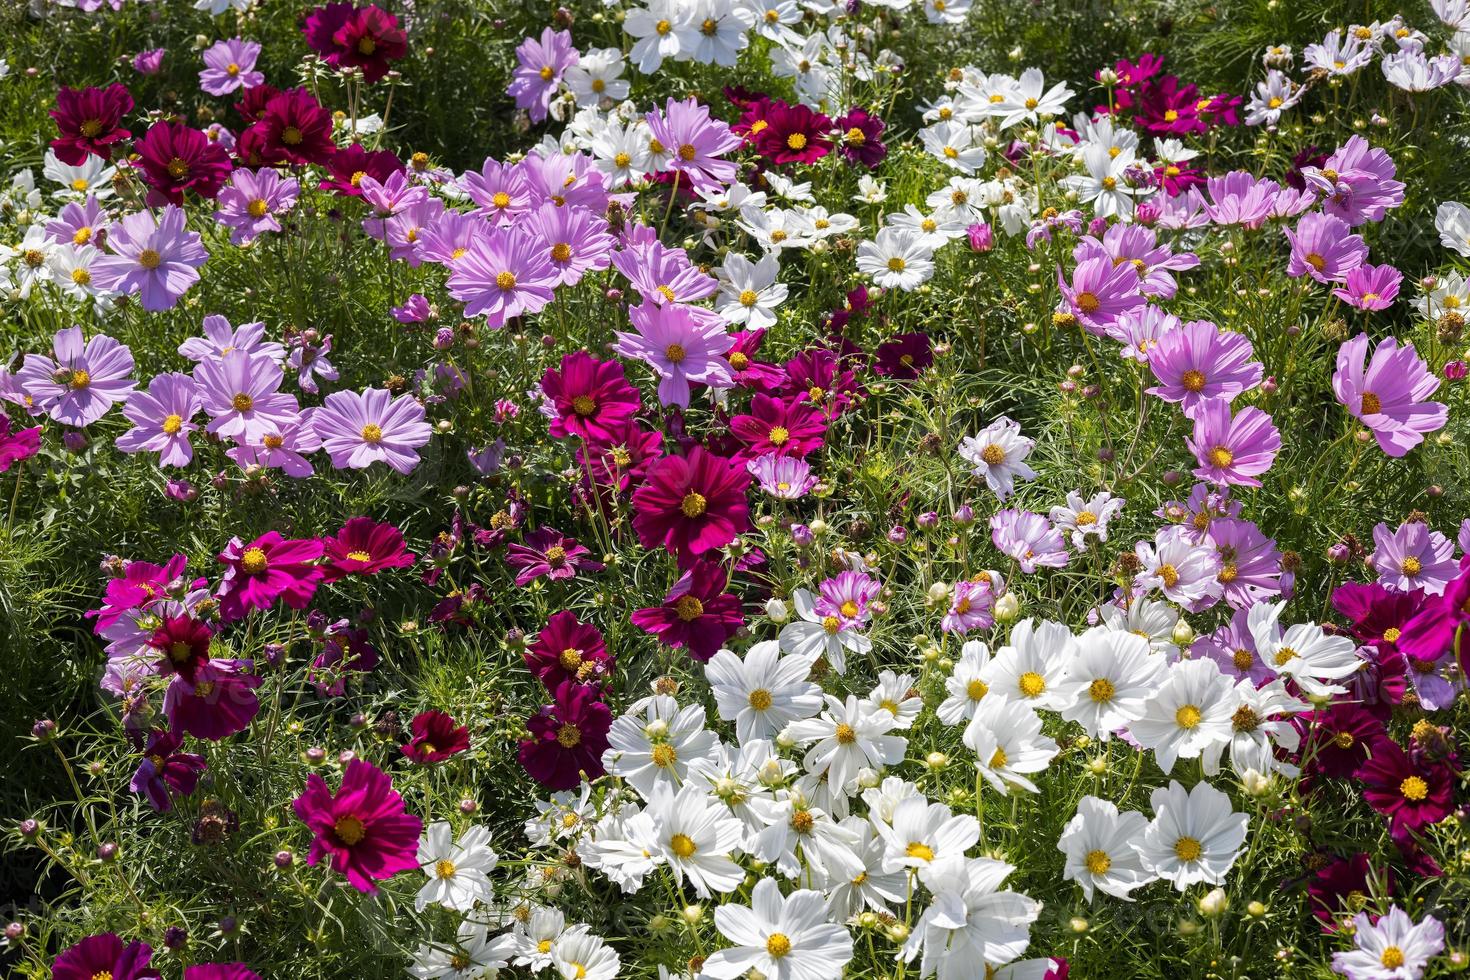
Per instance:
x=220, y=971
x=1342, y=887
x=697, y=614
x=435, y=738
x=783, y=426
x=184, y=643
x=294, y=128
x=363, y=828
x=548, y=552
x=253, y=102
x=175, y=158
x=792, y=134
x=745, y=369
x=356, y=37
x=904, y=357
x=1412, y=795
x=568, y=738
x=364, y=547
x=623, y=460
x=819, y=376
x=1376, y=616
x=862, y=138
x=349, y=165
x=692, y=504
x=592, y=398
x=569, y=650
x=165, y=772
x=90, y=121
x=854, y=304
x=216, y=703
x=105, y=955
x=1339, y=739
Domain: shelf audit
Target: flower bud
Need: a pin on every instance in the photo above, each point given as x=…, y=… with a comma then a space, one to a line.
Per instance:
x=776, y=611
x=1007, y=608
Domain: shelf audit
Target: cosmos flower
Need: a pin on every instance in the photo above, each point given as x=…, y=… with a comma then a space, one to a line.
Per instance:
x=17, y=445
x=230, y=65
x=159, y=260
x=240, y=393
x=696, y=142
x=1370, y=287
x=82, y=382
x=1195, y=835
x=778, y=427
x=1392, y=948
x=1233, y=449
x=1411, y=793
x=782, y=477
x=1324, y=248
x=697, y=615
x=162, y=419
x=252, y=200
x=363, y=547
x=1388, y=395
x=105, y=955
x=366, y=38
x=998, y=452
x=549, y=553
x=1029, y=539
x=165, y=772
x=682, y=345
x=691, y=504
x=174, y=158
x=90, y=121
x=567, y=738
x=1198, y=363
x=503, y=275
x=361, y=428
x=266, y=569
x=568, y=650
x=781, y=937
x=1412, y=557
x=592, y=398
x=293, y=128
x=538, y=74
x=363, y=828
x=1101, y=292
x=435, y=737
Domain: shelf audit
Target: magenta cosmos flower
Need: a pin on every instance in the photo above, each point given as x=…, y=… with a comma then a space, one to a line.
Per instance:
x=549, y=553
x=1100, y=292
x=363, y=828
x=569, y=650
x=364, y=547
x=161, y=419
x=356, y=37
x=359, y=429
x=505, y=274
x=567, y=738
x=220, y=971
x=1029, y=539
x=1370, y=287
x=1390, y=394
x=269, y=568
x=82, y=382
x=1412, y=794
x=782, y=427
x=681, y=344
x=240, y=393
x=1233, y=449
x=1324, y=248
x=105, y=956
x=697, y=614
x=158, y=260
x=90, y=121
x=252, y=200
x=696, y=143
x=1200, y=363
x=17, y=446
x=540, y=65
x=592, y=398
x=175, y=158
x=692, y=504
x=230, y=65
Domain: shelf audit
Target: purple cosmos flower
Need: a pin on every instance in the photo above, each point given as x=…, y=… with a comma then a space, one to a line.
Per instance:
x=504, y=274
x=1233, y=450
x=1233, y=648
x=283, y=447
x=783, y=477
x=82, y=382
x=1356, y=182
x=1238, y=198
x=165, y=772
x=1324, y=248
x=576, y=240
x=538, y=76
x=241, y=394
x=971, y=607
x=362, y=428
x=230, y=65
x=696, y=143
x=1029, y=539
x=403, y=229
x=663, y=275
x=79, y=224
x=393, y=194
x=449, y=236
x=549, y=553
x=220, y=339
x=158, y=260
x=250, y=202
x=500, y=191
x=105, y=956
x=681, y=344
x=1186, y=571
x=1199, y=363
x=161, y=419
x=1139, y=247
x=308, y=358
x=1414, y=557
x=1100, y=292
x=149, y=62
x=415, y=309
x=1370, y=287
x=1389, y=394
x=1250, y=565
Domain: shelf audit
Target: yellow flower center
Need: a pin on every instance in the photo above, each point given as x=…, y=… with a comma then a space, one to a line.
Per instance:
x=1392, y=957
x=831, y=624
x=998, y=759
x=1032, y=684
x=796, y=141
x=1285, y=656
x=856, y=136
x=777, y=945
x=1412, y=566
x=920, y=850
x=372, y=433
x=91, y=127
x=1169, y=575
x=663, y=27
x=845, y=734
x=1086, y=518
x=760, y=699
x=748, y=297
x=1187, y=849
x=273, y=441
x=349, y=830
x=993, y=455
x=693, y=504
x=547, y=73
x=359, y=556
x=444, y=869
x=81, y=277
x=1243, y=660
x=560, y=252
x=254, y=561
x=173, y=424
x=1414, y=789
x=687, y=152
x=778, y=435
x=1101, y=690
x=1109, y=183
x=622, y=160
x=149, y=258
x=1392, y=634
x=682, y=845
x=675, y=353
x=1088, y=302
x=1193, y=380
x=897, y=264
x=584, y=405
x=976, y=689
x=506, y=281
x=1316, y=261
x=1221, y=457
x=570, y=659
x=664, y=755
x=688, y=608
x=569, y=736
x=1098, y=862
x=1188, y=716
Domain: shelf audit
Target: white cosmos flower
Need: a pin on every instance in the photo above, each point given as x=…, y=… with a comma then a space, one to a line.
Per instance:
x=946, y=11
x=1102, y=184
x=896, y=695
x=934, y=231
x=1393, y=948
x=847, y=737
x=1029, y=99
x=535, y=941
x=621, y=151
x=1086, y=518
x=1100, y=844
x=564, y=815
x=1452, y=221
x=696, y=837
x=964, y=686
x=774, y=229
x=654, y=743
x=804, y=840
x=749, y=292
x=597, y=75
x=779, y=938
x=786, y=188
x=579, y=955
x=998, y=453
x=741, y=780
x=1194, y=836
x=91, y=176
x=962, y=199
x=1108, y=680
x=1189, y=714
x=884, y=799
x=623, y=848
x=1006, y=738
x=871, y=888
x=715, y=32
x=459, y=872
x=774, y=20
x=896, y=259
x=813, y=636
x=954, y=144
x=1152, y=619
x=763, y=692
x=1261, y=722
x=655, y=28
x=1032, y=665
x=926, y=835
x=1302, y=651
x=472, y=955
x=870, y=190
x=71, y=271
x=972, y=922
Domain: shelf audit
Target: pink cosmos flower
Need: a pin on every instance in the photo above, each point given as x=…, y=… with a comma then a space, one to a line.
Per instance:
x=505, y=274
x=1370, y=287
x=1390, y=394
x=1414, y=557
x=1239, y=198
x=592, y=398
x=230, y=65
x=970, y=608
x=1100, y=292
x=1177, y=564
x=538, y=73
x=1139, y=247
x=1356, y=182
x=252, y=200
x=781, y=427
x=161, y=419
x=846, y=596
x=364, y=547
x=782, y=477
x=1139, y=331
x=158, y=260
x=220, y=339
x=280, y=447
x=1233, y=449
x=359, y=429
x=266, y=569
x=664, y=275
x=363, y=828
x=500, y=190
x=696, y=142
x=452, y=234
x=575, y=239
x=1199, y=363
x=682, y=345
x=1029, y=539
x=1250, y=564
x=549, y=553
x=79, y=223
x=1323, y=247
x=240, y=393
x=82, y=382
